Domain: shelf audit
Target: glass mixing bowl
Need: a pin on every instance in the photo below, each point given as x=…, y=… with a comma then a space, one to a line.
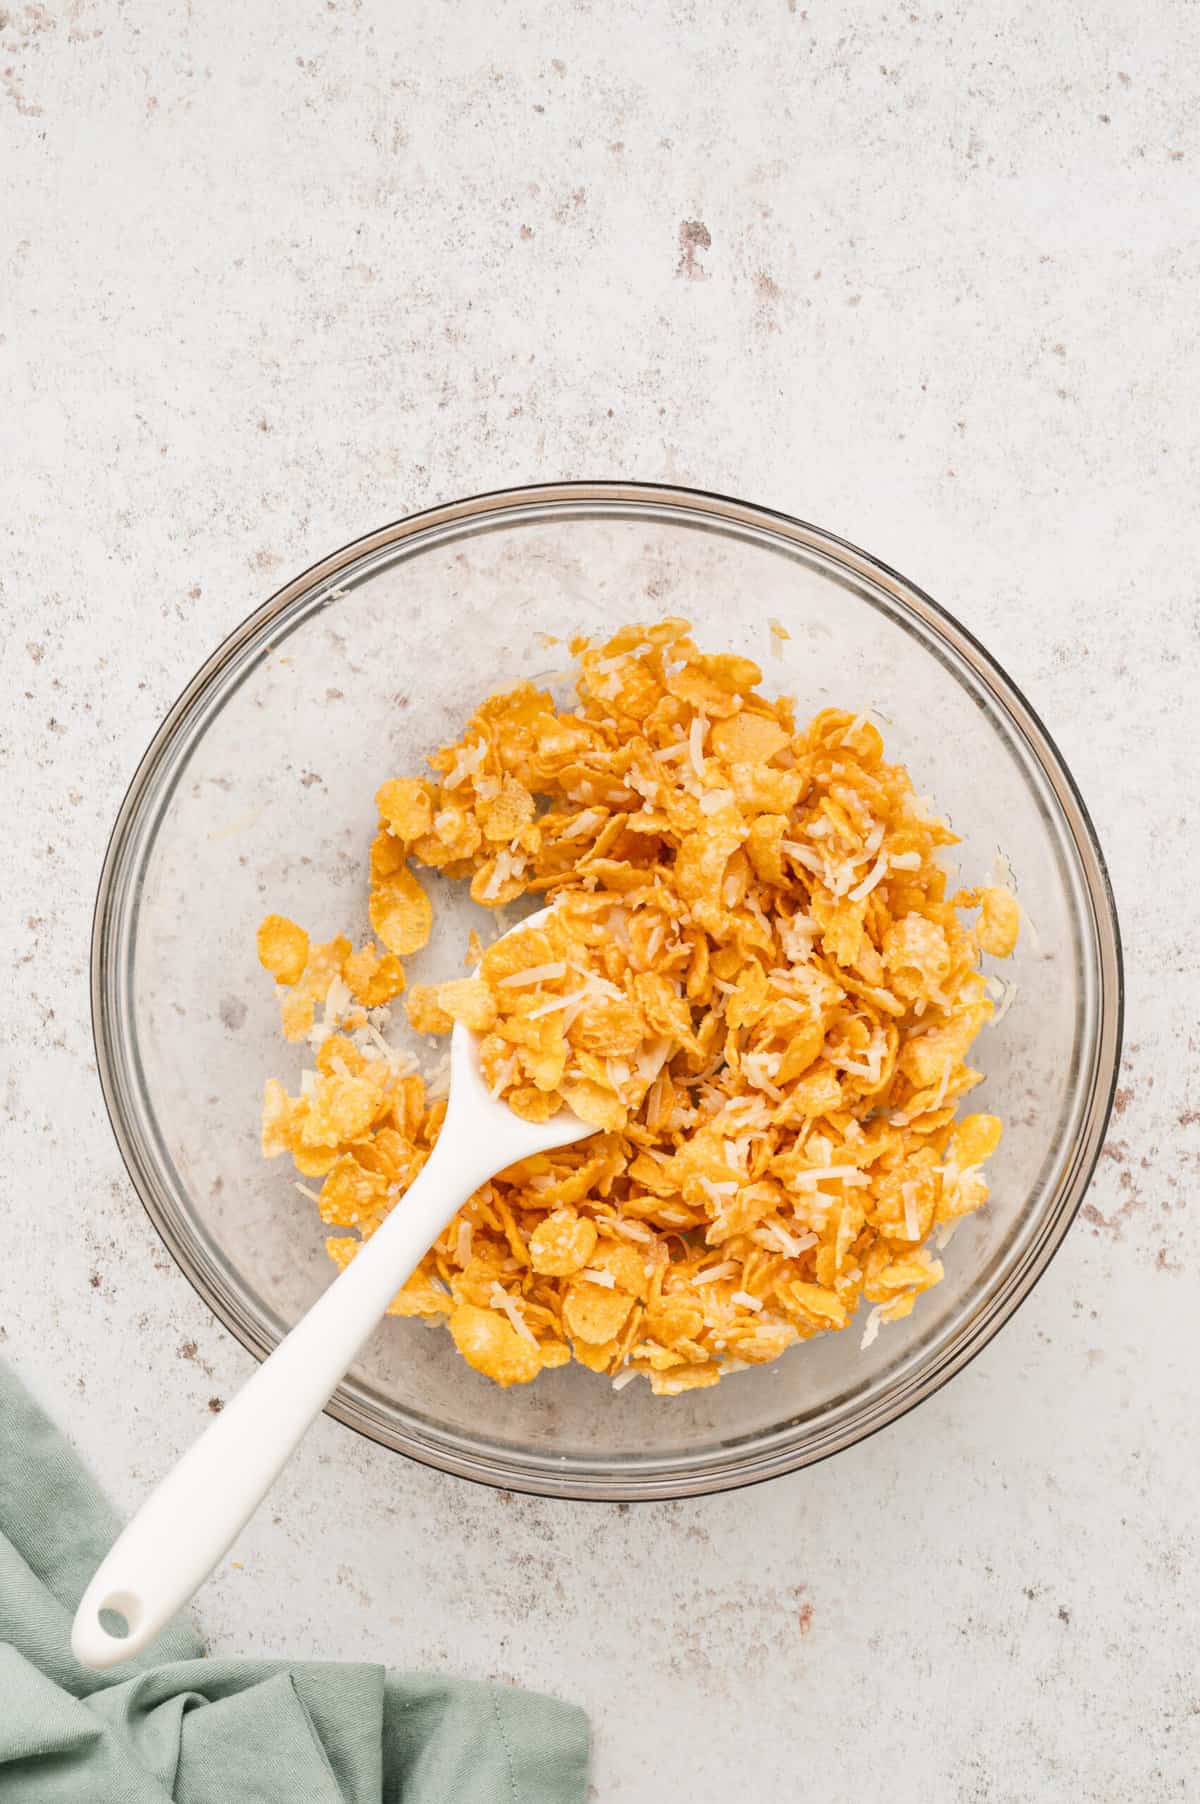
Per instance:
x=256, y=795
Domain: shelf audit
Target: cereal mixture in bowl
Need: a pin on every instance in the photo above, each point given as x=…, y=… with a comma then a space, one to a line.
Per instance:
x=754, y=981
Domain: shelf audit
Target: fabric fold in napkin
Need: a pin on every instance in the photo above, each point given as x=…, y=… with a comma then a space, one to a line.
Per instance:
x=173, y=1725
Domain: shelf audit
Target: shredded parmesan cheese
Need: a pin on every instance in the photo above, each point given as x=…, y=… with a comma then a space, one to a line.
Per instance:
x=534, y=975
x=715, y=1273
x=819, y=1174
x=874, y=876
x=512, y=1309
x=696, y=732
x=870, y=1333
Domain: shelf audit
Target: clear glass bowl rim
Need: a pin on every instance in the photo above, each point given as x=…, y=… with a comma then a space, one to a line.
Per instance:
x=692, y=506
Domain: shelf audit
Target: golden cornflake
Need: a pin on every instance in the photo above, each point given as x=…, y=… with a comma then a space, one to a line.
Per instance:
x=469, y=1001
x=594, y=1312
x=490, y=1343
x=562, y=1244
x=282, y=948
x=373, y=979
x=401, y=912
x=405, y=807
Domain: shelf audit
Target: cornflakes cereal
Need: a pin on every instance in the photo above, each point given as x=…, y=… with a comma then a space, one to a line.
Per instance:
x=371, y=978
x=751, y=982
x=306, y=972
x=488, y=1342
x=282, y=948
x=562, y=1243
x=401, y=912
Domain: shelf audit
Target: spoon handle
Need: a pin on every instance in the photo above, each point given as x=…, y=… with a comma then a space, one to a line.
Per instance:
x=189, y=1521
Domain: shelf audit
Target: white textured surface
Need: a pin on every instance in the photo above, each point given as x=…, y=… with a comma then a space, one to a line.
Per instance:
x=272, y=275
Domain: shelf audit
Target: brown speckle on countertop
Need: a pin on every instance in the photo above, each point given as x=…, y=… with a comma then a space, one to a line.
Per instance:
x=190, y=1350
x=694, y=237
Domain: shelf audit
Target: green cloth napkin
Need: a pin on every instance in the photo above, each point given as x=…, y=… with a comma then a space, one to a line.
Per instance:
x=172, y=1725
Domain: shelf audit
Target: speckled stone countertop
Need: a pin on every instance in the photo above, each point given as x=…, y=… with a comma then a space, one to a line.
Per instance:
x=274, y=275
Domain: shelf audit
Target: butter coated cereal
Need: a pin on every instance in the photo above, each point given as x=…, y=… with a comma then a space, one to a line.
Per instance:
x=753, y=985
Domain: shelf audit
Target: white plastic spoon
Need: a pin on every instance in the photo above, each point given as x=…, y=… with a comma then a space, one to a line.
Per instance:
x=191, y=1519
